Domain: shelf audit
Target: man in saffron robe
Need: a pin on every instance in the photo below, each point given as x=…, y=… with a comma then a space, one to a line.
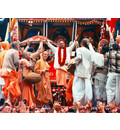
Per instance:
x=69, y=96
x=43, y=88
x=62, y=58
x=5, y=47
x=28, y=91
x=35, y=55
x=8, y=72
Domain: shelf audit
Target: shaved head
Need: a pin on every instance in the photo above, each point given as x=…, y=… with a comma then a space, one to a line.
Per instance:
x=85, y=42
x=15, y=45
x=26, y=55
x=45, y=52
x=45, y=55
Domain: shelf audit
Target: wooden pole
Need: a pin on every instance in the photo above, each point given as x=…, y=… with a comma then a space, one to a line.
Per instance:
x=17, y=30
x=73, y=31
x=117, y=32
x=43, y=28
x=22, y=83
x=76, y=29
x=46, y=29
x=9, y=29
x=105, y=26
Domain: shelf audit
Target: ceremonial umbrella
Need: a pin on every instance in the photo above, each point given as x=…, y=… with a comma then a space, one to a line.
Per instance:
x=36, y=40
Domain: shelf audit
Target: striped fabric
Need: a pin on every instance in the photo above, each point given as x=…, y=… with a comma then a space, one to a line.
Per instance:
x=113, y=58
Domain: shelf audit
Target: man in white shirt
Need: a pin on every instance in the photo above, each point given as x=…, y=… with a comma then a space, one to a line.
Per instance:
x=62, y=58
x=82, y=87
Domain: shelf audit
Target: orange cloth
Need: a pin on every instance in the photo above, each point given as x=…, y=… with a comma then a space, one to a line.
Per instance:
x=43, y=88
x=5, y=46
x=12, y=23
x=99, y=47
x=69, y=95
x=11, y=83
x=61, y=77
x=2, y=54
x=28, y=91
x=69, y=88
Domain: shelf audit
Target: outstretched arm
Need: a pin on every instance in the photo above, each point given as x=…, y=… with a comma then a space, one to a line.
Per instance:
x=72, y=46
x=74, y=43
x=51, y=46
x=26, y=48
x=111, y=37
x=38, y=52
x=91, y=48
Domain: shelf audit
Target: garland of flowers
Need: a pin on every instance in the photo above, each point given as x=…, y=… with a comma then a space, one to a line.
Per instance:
x=61, y=63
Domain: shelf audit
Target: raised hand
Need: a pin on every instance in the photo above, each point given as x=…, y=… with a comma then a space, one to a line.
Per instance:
x=22, y=107
x=113, y=31
x=57, y=107
x=28, y=43
x=76, y=37
x=77, y=106
x=0, y=39
x=101, y=107
x=45, y=41
x=88, y=107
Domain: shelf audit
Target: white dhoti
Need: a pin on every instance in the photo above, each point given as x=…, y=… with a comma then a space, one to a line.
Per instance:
x=113, y=88
x=100, y=87
x=2, y=83
x=82, y=90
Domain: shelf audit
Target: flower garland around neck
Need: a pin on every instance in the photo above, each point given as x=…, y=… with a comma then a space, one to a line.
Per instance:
x=61, y=61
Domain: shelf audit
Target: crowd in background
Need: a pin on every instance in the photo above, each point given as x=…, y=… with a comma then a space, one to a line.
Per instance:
x=89, y=79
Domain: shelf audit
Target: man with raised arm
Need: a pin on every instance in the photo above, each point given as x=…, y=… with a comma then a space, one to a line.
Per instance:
x=82, y=87
x=36, y=54
x=62, y=58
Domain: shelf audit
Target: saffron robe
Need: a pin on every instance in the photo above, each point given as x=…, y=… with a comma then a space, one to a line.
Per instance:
x=43, y=88
x=28, y=91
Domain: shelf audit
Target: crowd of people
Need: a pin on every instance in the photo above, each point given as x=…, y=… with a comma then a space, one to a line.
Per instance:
x=96, y=74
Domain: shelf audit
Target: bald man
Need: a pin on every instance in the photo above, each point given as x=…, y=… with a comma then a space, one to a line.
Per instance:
x=35, y=55
x=28, y=91
x=5, y=47
x=10, y=63
x=43, y=88
x=82, y=86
